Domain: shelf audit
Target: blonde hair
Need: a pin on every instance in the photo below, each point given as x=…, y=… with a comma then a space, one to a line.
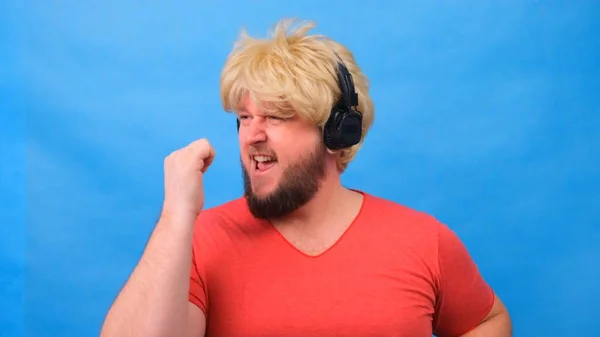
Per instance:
x=293, y=73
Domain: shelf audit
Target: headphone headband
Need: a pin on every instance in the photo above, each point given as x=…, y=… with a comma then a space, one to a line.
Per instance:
x=349, y=97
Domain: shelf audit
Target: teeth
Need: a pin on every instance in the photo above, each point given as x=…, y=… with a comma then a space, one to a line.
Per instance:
x=262, y=159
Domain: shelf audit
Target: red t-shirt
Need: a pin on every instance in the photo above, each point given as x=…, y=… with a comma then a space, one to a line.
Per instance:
x=394, y=272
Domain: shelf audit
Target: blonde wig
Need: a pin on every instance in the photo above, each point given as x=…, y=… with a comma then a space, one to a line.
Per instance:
x=292, y=73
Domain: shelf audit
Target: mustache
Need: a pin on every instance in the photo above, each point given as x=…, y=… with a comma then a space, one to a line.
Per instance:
x=253, y=150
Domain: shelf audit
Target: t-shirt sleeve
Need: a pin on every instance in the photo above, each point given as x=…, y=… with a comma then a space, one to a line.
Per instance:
x=200, y=261
x=197, y=294
x=464, y=298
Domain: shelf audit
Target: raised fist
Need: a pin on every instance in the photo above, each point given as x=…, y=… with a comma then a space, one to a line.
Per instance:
x=184, y=169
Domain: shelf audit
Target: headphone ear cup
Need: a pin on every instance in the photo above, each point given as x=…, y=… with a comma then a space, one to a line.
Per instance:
x=329, y=136
x=343, y=129
x=351, y=129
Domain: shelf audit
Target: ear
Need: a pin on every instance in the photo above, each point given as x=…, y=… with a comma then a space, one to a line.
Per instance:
x=334, y=154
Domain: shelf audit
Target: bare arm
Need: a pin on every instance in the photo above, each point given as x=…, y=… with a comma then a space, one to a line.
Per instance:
x=154, y=301
x=496, y=324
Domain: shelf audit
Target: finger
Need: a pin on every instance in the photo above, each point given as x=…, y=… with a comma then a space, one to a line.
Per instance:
x=203, y=152
x=209, y=159
x=198, y=145
x=199, y=149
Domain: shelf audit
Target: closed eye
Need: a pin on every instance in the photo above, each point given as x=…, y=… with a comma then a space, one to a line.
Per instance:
x=274, y=119
x=243, y=119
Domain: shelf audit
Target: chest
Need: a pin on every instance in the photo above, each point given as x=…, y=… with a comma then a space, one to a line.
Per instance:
x=296, y=295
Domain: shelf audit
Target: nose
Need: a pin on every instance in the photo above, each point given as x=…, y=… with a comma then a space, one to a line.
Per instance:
x=255, y=132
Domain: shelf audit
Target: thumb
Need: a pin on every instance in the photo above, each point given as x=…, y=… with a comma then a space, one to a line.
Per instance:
x=208, y=160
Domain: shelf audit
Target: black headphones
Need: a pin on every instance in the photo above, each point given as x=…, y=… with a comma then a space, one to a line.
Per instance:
x=343, y=128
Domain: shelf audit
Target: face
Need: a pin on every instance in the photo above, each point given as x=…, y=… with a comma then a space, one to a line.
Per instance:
x=283, y=162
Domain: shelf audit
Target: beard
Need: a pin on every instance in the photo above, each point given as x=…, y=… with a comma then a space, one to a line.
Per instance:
x=299, y=183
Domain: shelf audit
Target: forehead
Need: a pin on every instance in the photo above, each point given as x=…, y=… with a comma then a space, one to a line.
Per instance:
x=250, y=105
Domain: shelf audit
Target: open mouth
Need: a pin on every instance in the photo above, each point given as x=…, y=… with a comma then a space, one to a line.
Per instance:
x=262, y=163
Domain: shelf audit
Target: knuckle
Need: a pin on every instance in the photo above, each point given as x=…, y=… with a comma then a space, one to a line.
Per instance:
x=204, y=143
x=202, y=147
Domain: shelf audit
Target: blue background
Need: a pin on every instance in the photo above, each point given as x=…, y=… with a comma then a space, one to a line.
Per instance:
x=486, y=118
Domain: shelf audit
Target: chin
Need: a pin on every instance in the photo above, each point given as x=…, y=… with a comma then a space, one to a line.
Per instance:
x=263, y=189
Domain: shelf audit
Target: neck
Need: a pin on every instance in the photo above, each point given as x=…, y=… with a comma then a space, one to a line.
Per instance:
x=327, y=204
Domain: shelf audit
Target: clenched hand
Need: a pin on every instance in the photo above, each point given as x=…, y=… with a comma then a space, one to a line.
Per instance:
x=184, y=170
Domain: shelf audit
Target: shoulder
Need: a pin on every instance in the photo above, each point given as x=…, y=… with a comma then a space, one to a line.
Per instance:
x=407, y=227
x=396, y=215
x=423, y=232
x=231, y=210
x=230, y=220
x=225, y=216
x=219, y=229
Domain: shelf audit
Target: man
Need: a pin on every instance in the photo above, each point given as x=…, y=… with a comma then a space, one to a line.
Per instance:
x=299, y=254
